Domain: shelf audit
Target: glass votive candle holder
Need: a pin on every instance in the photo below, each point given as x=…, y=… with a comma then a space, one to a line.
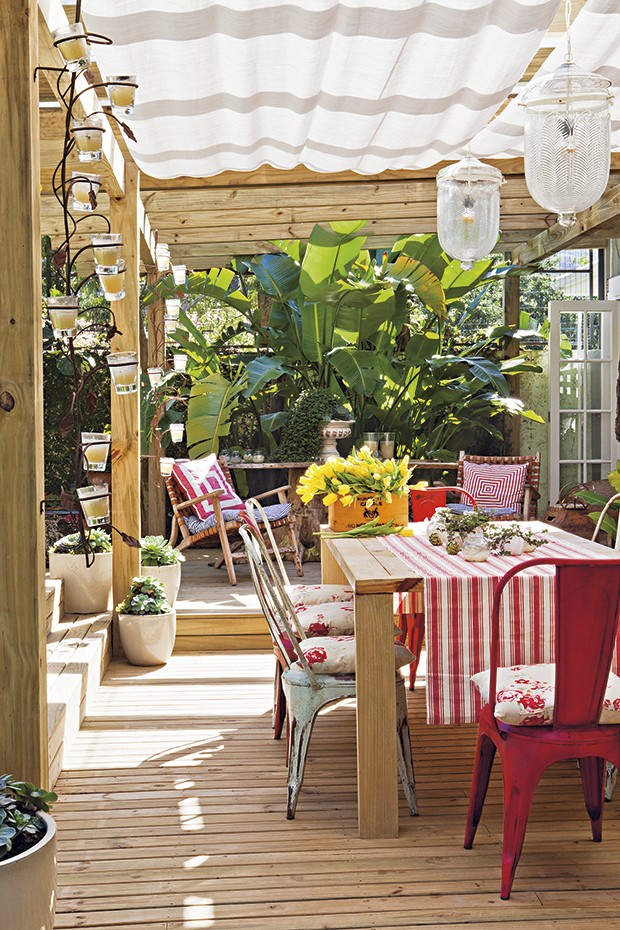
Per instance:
x=82, y=186
x=72, y=43
x=179, y=360
x=107, y=252
x=63, y=313
x=387, y=445
x=88, y=135
x=162, y=256
x=95, y=504
x=248, y=456
x=171, y=323
x=124, y=371
x=177, y=431
x=155, y=375
x=95, y=450
x=122, y=93
x=178, y=273
x=165, y=466
x=258, y=458
x=113, y=283
x=371, y=441
x=173, y=307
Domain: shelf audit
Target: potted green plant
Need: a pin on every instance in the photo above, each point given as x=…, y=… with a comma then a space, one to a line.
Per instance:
x=147, y=623
x=87, y=590
x=160, y=560
x=27, y=856
x=314, y=422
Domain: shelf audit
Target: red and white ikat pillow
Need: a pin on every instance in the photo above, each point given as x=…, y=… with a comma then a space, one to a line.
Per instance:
x=495, y=485
x=200, y=476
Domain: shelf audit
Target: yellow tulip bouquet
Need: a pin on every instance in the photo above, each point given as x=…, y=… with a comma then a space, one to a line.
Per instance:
x=360, y=475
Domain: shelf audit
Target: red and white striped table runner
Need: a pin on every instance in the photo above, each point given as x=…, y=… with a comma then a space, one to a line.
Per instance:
x=457, y=606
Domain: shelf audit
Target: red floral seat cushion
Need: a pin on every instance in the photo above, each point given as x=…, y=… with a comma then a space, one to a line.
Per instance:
x=335, y=655
x=318, y=593
x=495, y=485
x=326, y=619
x=526, y=695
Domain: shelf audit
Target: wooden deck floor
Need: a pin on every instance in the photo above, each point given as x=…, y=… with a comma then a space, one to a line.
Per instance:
x=171, y=817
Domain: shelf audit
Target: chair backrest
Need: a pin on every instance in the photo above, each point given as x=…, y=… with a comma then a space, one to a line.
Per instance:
x=602, y=516
x=285, y=629
x=252, y=506
x=532, y=477
x=587, y=604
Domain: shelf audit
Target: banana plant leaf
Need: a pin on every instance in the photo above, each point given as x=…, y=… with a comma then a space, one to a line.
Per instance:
x=211, y=405
x=421, y=280
x=278, y=275
x=329, y=257
x=261, y=371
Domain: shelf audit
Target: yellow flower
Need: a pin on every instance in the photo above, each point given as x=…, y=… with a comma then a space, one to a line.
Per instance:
x=347, y=500
x=330, y=498
x=406, y=531
x=388, y=497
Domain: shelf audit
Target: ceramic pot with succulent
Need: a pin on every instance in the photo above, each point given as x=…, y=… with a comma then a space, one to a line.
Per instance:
x=27, y=856
x=87, y=589
x=161, y=561
x=147, y=623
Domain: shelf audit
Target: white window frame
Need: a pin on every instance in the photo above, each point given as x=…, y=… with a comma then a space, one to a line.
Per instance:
x=556, y=308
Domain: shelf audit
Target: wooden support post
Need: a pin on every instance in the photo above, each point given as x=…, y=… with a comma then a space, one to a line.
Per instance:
x=23, y=702
x=125, y=408
x=155, y=510
x=511, y=318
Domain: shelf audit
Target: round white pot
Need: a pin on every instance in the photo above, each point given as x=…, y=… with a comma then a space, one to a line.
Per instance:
x=28, y=885
x=87, y=590
x=148, y=640
x=332, y=431
x=170, y=577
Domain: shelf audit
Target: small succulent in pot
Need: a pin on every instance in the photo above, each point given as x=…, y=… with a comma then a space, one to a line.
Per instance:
x=146, y=597
x=21, y=825
x=156, y=550
x=99, y=541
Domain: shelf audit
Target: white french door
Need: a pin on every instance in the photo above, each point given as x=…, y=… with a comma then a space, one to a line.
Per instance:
x=582, y=391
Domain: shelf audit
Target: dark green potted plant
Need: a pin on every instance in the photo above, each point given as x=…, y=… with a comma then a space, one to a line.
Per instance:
x=161, y=561
x=27, y=856
x=315, y=421
x=147, y=623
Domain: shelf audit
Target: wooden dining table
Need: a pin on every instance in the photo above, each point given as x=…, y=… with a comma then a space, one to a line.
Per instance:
x=375, y=573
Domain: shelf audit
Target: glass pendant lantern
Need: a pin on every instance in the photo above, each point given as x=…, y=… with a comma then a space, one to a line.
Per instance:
x=468, y=209
x=567, y=140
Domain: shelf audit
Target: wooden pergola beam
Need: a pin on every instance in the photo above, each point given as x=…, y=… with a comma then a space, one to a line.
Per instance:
x=23, y=701
x=561, y=237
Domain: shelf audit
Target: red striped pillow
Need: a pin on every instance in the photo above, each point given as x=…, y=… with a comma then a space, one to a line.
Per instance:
x=495, y=485
x=201, y=476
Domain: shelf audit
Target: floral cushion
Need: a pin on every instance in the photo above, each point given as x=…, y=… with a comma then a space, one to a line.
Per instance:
x=495, y=485
x=318, y=593
x=526, y=695
x=326, y=619
x=200, y=476
x=335, y=655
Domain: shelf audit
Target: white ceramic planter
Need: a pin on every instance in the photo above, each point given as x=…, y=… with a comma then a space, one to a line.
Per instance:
x=170, y=577
x=148, y=640
x=87, y=590
x=334, y=430
x=28, y=885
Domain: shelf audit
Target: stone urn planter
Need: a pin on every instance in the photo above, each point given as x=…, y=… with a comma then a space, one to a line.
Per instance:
x=86, y=590
x=332, y=432
x=149, y=639
x=28, y=885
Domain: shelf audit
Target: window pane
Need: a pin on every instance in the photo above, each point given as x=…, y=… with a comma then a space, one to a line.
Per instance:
x=598, y=380
x=598, y=432
x=596, y=471
x=571, y=380
x=570, y=473
x=571, y=431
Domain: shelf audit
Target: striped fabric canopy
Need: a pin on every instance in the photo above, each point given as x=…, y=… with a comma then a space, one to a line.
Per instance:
x=362, y=85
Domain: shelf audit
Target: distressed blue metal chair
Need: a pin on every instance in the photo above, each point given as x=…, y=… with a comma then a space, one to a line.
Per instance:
x=306, y=687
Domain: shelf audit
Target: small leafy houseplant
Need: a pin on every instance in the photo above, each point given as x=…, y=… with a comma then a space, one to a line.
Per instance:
x=21, y=824
x=376, y=491
x=147, y=623
x=163, y=562
x=87, y=589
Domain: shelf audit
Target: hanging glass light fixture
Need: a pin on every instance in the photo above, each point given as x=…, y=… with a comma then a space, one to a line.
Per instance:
x=468, y=209
x=567, y=137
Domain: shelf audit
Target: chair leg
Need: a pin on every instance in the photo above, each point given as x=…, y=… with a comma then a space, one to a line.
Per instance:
x=299, y=740
x=483, y=763
x=593, y=783
x=520, y=781
x=279, y=703
x=405, y=758
x=611, y=774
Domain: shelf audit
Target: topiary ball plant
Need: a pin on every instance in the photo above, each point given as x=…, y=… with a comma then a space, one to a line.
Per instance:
x=302, y=433
x=156, y=550
x=146, y=596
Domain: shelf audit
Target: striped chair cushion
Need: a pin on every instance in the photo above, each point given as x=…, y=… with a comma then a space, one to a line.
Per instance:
x=273, y=513
x=197, y=477
x=495, y=485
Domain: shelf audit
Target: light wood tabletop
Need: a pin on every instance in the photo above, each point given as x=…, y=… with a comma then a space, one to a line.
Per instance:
x=376, y=574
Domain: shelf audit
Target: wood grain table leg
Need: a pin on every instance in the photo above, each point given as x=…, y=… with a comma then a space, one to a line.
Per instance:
x=331, y=573
x=377, y=778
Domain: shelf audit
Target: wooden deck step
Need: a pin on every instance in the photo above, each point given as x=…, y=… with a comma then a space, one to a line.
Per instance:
x=54, y=603
x=78, y=654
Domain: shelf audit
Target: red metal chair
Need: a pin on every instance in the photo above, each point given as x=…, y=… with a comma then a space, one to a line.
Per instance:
x=587, y=602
